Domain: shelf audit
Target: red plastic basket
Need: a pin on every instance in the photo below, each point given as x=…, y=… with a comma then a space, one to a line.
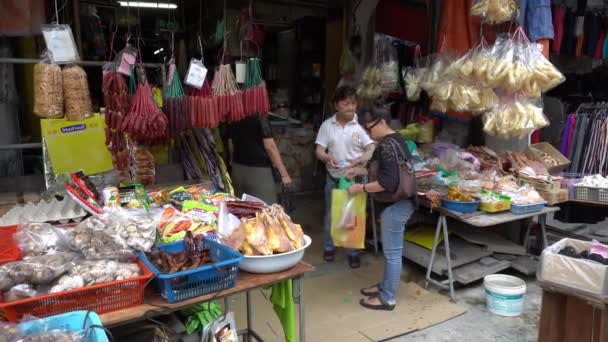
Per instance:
x=8, y=248
x=100, y=298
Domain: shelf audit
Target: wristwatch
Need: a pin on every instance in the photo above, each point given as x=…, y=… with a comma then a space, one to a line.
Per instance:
x=364, y=188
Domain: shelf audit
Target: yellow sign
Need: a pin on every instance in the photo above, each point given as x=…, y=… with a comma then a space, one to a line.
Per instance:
x=75, y=145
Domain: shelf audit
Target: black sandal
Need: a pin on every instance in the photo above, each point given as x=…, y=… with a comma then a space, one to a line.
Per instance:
x=367, y=293
x=384, y=306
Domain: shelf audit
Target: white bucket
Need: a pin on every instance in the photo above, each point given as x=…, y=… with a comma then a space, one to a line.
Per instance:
x=504, y=294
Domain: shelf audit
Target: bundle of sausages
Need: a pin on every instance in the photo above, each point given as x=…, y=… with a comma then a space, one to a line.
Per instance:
x=203, y=107
x=229, y=97
x=175, y=105
x=145, y=123
x=255, y=95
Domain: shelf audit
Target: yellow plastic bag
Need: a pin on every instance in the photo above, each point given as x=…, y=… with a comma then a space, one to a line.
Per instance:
x=348, y=219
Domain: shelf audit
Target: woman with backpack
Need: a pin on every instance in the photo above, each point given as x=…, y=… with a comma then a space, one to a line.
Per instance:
x=392, y=186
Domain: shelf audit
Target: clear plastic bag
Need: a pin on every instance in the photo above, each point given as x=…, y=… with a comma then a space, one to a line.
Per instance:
x=98, y=238
x=494, y=11
x=386, y=57
x=40, y=239
x=9, y=332
x=36, y=270
x=515, y=119
x=48, y=88
x=136, y=228
x=348, y=219
x=60, y=41
x=91, y=272
x=76, y=93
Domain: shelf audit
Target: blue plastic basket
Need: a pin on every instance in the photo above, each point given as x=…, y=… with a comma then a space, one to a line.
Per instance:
x=184, y=285
x=527, y=209
x=461, y=207
x=70, y=321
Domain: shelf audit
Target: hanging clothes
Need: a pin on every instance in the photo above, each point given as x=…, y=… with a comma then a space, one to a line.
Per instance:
x=458, y=30
x=559, y=15
x=585, y=139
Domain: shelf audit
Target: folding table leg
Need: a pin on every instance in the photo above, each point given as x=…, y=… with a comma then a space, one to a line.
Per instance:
x=542, y=219
x=299, y=300
x=247, y=337
x=429, y=269
x=442, y=227
x=446, y=239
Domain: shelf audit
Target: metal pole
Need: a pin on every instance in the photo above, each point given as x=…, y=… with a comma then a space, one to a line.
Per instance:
x=20, y=146
x=84, y=63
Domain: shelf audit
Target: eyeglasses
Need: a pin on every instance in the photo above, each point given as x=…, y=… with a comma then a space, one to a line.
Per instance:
x=369, y=128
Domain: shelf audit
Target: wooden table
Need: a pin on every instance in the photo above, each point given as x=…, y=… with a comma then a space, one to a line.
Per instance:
x=571, y=316
x=477, y=219
x=246, y=282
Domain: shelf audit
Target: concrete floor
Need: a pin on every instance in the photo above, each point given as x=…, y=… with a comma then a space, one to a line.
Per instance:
x=477, y=324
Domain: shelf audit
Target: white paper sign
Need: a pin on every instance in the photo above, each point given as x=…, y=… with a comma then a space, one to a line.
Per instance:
x=61, y=44
x=196, y=74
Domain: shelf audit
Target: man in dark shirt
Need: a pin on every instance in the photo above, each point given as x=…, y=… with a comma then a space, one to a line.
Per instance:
x=253, y=153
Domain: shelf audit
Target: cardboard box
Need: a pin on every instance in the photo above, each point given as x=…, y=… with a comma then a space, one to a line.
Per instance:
x=554, y=197
x=581, y=275
x=547, y=148
x=541, y=186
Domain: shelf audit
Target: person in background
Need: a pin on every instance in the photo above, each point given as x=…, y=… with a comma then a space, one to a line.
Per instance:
x=394, y=213
x=253, y=153
x=341, y=143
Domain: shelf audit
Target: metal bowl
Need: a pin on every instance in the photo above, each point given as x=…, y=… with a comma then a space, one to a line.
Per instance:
x=273, y=263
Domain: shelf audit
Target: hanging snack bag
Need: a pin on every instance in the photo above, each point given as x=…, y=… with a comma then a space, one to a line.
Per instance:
x=494, y=11
x=76, y=91
x=48, y=89
x=515, y=119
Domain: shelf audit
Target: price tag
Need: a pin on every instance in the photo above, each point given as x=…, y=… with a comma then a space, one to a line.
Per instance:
x=60, y=42
x=196, y=74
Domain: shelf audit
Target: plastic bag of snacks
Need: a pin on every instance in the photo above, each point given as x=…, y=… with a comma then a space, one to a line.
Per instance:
x=40, y=239
x=514, y=119
x=494, y=11
x=48, y=88
x=413, y=77
x=76, y=92
x=386, y=56
x=36, y=270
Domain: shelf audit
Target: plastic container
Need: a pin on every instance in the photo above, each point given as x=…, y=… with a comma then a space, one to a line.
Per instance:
x=71, y=321
x=527, y=209
x=9, y=251
x=585, y=193
x=273, y=263
x=504, y=294
x=184, y=285
x=101, y=298
x=461, y=207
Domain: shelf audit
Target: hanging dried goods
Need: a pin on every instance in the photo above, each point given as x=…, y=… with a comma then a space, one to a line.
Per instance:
x=175, y=105
x=494, y=11
x=116, y=100
x=76, y=93
x=145, y=123
x=48, y=90
x=255, y=95
x=229, y=97
x=202, y=108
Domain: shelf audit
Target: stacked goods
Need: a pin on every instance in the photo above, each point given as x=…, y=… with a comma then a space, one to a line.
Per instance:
x=255, y=95
x=76, y=93
x=145, y=123
x=116, y=99
x=175, y=105
x=229, y=97
x=143, y=167
x=271, y=231
x=48, y=90
x=203, y=107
